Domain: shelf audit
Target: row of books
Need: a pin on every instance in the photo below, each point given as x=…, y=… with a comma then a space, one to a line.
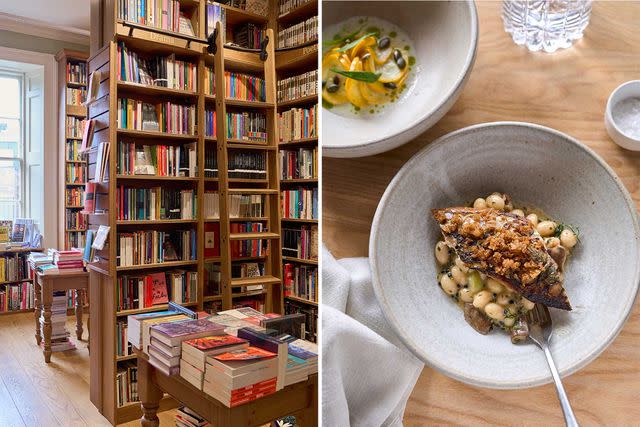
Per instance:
x=299, y=204
x=162, y=14
x=244, y=87
x=298, y=123
x=16, y=297
x=255, y=302
x=248, y=248
x=305, y=84
x=249, y=35
x=155, y=203
x=71, y=298
x=186, y=417
x=72, y=150
x=215, y=13
x=299, y=33
x=74, y=196
x=127, y=384
x=159, y=160
x=75, y=220
x=210, y=161
x=311, y=317
x=13, y=268
x=247, y=165
x=300, y=242
x=299, y=164
x=164, y=71
x=240, y=205
x=210, y=124
x=247, y=126
x=209, y=80
x=74, y=239
x=123, y=348
x=143, y=291
x=301, y=281
x=77, y=72
x=152, y=247
x=76, y=173
x=164, y=117
x=286, y=6
x=76, y=96
x=73, y=127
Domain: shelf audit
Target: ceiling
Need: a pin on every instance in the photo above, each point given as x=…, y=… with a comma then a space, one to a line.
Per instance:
x=68, y=15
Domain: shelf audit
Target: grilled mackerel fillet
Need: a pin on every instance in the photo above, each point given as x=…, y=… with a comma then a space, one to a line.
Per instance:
x=506, y=247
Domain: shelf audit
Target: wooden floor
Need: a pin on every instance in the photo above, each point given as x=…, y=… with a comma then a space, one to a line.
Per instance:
x=33, y=393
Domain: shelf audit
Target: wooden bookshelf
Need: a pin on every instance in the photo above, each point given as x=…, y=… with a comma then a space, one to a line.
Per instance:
x=104, y=361
x=290, y=62
x=67, y=110
x=5, y=284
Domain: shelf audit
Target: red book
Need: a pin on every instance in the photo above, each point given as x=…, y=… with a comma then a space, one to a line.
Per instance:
x=87, y=137
x=249, y=353
x=216, y=341
x=288, y=280
x=211, y=239
x=159, y=289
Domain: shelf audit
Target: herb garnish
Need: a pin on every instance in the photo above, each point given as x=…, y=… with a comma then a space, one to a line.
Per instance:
x=355, y=42
x=363, y=76
x=561, y=227
x=341, y=40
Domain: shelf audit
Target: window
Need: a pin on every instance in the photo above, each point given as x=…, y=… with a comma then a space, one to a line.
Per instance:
x=11, y=146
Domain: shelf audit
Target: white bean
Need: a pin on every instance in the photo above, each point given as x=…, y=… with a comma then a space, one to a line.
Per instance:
x=518, y=212
x=533, y=219
x=526, y=304
x=546, y=228
x=495, y=201
x=568, y=238
x=509, y=321
x=481, y=299
x=442, y=253
x=504, y=299
x=552, y=242
x=495, y=311
x=494, y=286
x=448, y=284
x=459, y=276
x=461, y=265
x=466, y=294
x=480, y=203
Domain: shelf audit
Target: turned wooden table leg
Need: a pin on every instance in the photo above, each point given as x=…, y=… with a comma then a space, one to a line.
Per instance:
x=79, y=304
x=47, y=298
x=38, y=308
x=150, y=395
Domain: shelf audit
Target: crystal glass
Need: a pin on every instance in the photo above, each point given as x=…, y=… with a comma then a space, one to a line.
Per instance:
x=546, y=24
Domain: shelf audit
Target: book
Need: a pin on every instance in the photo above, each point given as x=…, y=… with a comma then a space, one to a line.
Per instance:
x=185, y=417
x=298, y=86
x=102, y=162
x=134, y=322
x=298, y=34
x=94, y=87
x=196, y=351
x=248, y=353
x=87, y=136
x=159, y=365
x=269, y=343
x=299, y=164
x=173, y=334
x=298, y=123
x=211, y=239
x=290, y=324
x=166, y=360
x=5, y=230
x=158, y=289
x=101, y=237
x=301, y=203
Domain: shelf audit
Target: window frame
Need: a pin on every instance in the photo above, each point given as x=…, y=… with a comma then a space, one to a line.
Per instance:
x=21, y=144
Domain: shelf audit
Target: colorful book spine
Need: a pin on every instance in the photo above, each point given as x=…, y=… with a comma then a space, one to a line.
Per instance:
x=302, y=85
x=158, y=203
x=210, y=125
x=298, y=123
x=165, y=117
x=299, y=164
x=245, y=87
x=247, y=126
x=154, y=247
x=301, y=203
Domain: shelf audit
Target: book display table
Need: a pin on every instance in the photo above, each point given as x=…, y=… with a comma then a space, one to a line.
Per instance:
x=299, y=400
x=45, y=286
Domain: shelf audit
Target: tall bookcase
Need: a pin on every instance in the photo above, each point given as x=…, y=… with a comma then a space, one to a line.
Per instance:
x=292, y=62
x=104, y=273
x=72, y=113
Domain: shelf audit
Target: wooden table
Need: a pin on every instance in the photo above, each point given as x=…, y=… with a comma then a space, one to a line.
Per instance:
x=568, y=91
x=300, y=400
x=45, y=286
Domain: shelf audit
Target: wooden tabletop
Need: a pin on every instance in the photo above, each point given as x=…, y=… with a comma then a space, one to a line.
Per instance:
x=567, y=91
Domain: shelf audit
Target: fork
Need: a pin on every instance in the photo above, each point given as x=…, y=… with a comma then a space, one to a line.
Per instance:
x=540, y=330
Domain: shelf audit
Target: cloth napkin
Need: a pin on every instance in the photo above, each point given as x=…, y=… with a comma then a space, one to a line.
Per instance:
x=367, y=373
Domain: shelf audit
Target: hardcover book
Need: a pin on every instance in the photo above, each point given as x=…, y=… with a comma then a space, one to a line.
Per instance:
x=173, y=334
x=158, y=289
x=248, y=353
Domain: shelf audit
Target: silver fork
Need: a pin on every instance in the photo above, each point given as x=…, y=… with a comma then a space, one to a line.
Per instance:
x=540, y=330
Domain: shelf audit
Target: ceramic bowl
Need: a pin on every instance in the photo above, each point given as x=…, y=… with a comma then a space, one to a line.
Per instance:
x=630, y=89
x=538, y=167
x=445, y=36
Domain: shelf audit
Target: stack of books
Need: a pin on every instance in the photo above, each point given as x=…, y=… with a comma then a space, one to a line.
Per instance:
x=164, y=352
x=195, y=352
x=302, y=361
x=185, y=417
x=59, y=334
x=68, y=261
x=38, y=259
x=240, y=376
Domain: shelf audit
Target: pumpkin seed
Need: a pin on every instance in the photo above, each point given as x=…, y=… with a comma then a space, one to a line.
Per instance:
x=332, y=88
x=384, y=43
x=390, y=85
x=336, y=80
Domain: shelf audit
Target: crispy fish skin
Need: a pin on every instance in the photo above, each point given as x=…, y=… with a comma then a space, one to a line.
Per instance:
x=506, y=247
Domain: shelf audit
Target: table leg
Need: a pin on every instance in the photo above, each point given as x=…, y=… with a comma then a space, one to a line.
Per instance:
x=47, y=298
x=79, y=304
x=150, y=395
x=86, y=298
x=38, y=308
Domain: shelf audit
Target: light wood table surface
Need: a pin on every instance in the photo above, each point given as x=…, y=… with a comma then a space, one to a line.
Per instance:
x=567, y=91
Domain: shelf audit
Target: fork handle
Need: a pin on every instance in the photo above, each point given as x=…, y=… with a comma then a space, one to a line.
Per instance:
x=569, y=418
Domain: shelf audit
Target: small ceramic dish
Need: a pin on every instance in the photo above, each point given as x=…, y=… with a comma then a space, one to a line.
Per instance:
x=444, y=36
x=630, y=92
x=538, y=167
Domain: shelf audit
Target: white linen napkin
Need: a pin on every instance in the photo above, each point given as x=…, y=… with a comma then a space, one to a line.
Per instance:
x=367, y=373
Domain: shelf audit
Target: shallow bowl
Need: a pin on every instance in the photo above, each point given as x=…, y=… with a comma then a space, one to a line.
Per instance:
x=445, y=37
x=538, y=167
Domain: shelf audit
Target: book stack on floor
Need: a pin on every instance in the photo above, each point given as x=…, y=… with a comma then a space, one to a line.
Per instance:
x=59, y=334
x=195, y=353
x=68, y=261
x=185, y=417
x=302, y=361
x=165, y=350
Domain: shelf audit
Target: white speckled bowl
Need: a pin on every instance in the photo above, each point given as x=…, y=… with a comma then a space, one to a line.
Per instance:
x=537, y=166
x=445, y=37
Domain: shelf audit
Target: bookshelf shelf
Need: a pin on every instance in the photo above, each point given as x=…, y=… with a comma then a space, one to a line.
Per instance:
x=155, y=178
x=127, y=357
x=247, y=181
x=9, y=282
x=300, y=260
x=248, y=258
x=156, y=221
x=298, y=142
x=212, y=259
x=167, y=264
x=73, y=207
x=310, y=221
x=260, y=280
x=304, y=10
x=267, y=191
x=300, y=58
x=302, y=300
x=158, y=307
x=212, y=298
x=76, y=85
x=156, y=135
x=251, y=104
x=299, y=181
x=248, y=294
x=305, y=100
x=155, y=90
x=254, y=235
x=237, y=16
x=75, y=183
x=250, y=146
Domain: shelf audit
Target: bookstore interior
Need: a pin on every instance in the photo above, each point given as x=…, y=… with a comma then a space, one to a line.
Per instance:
x=159, y=191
